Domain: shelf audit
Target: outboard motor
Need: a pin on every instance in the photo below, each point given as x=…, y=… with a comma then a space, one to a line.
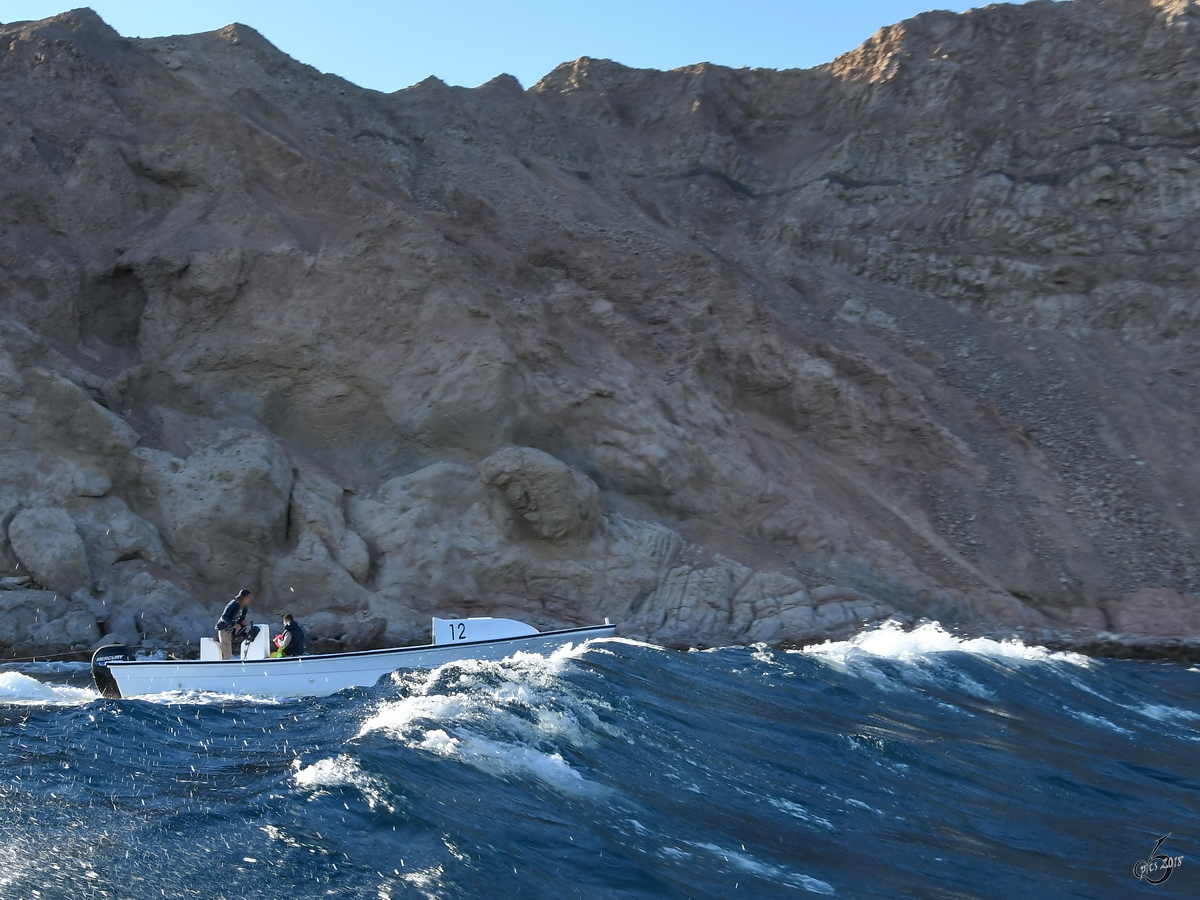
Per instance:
x=105, y=683
x=257, y=645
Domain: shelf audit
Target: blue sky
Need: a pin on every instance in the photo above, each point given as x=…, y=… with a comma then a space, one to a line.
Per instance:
x=390, y=45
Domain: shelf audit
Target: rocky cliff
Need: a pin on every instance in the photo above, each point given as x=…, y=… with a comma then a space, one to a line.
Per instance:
x=724, y=355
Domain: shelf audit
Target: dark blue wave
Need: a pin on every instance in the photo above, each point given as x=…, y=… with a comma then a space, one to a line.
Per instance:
x=891, y=766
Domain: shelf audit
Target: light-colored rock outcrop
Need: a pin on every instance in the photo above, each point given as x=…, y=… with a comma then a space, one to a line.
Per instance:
x=49, y=547
x=112, y=533
x=224, y=509
x=551, y=498
x=725, y=355
x=318, y=506
x=45, y=621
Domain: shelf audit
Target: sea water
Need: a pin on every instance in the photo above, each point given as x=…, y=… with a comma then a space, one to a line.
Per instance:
x=896, y=764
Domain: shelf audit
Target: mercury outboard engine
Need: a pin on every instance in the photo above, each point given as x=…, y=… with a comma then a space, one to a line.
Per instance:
x=105, y=683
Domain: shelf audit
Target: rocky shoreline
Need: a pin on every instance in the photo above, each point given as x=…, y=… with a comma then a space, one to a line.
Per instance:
x=39, y=625
x=1117, y=646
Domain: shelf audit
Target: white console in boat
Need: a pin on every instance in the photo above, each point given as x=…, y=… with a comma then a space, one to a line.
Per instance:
x=259, y=647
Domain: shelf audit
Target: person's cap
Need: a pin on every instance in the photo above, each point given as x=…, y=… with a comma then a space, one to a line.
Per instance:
x=243, y=593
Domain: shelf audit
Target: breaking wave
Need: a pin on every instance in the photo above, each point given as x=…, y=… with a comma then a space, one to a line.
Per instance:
x=893, y=764
x=891, y=641
x=508, y=718
x=17, y=687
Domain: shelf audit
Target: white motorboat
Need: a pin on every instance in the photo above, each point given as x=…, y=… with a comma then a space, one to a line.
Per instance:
x=255, y=672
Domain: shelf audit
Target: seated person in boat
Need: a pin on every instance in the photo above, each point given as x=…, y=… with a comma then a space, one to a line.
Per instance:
x=232, y=625
x=290, y=642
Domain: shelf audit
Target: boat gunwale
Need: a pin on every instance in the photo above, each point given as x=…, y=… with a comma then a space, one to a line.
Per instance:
x=122, y=663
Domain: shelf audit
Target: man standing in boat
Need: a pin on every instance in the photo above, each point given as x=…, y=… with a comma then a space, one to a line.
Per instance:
x=232, y=625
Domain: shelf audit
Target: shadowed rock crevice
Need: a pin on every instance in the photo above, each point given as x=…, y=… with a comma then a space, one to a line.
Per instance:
x=110, y=310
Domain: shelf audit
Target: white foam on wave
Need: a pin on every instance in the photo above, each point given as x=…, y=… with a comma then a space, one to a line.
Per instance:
x=674, y=853
x=891, y=641
x=335, y=771
x=1097, y=721
x=426, y=881
x=501, y=758
x=799, y=812
x=511, y=717
x=16, y=687
x=1160, y=713
x=599, y=643
x=924, y=653
x=338, y=772
x=209, y=698
x=756, y=867
x=1166, y=714
x=850, y=801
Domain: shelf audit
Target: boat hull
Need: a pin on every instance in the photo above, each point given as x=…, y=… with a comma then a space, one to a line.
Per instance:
x=323, y=674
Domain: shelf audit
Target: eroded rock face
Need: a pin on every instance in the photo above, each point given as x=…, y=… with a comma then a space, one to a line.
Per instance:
x=725, y=355
x=318, y=508
x=224, y=509
x=552, y=499
x=1155, y=613
x=48, y=545
x=112, y=534
x=45, y=621
x=155, y=608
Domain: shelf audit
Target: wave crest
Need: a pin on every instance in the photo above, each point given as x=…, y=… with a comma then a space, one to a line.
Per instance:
x=510, y=717
x=891, y=641
x=16, y=687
